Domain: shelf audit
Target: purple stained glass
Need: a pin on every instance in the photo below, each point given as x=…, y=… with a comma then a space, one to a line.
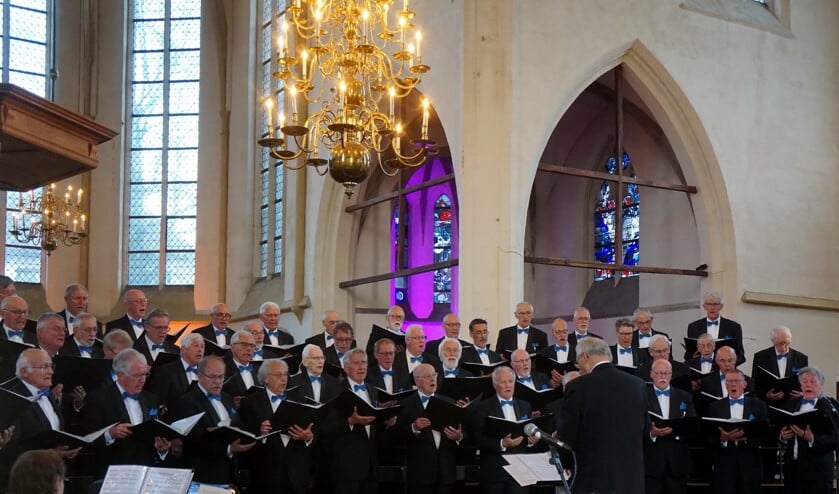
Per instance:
x=605, y=218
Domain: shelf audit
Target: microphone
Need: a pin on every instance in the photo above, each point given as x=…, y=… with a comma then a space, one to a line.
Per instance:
x=530, y=430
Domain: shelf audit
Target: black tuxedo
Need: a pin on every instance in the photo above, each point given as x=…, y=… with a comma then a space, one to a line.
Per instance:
x=169, y=382
x=320, y=340
x=330, y=387
x=679, y=369
x=106, y=406
x=63, y=314
x=331, y=356
x=274, y=467
x=71, y=349
x=427, y=465
x=123, y=323
x=283, y=338
x=209, y=334
x=400, y=364
x=493, y=477
x=401, y=382
x=433, y=347
x=637, y=355
x=636, y=337
x=540, y=380
x=712, y=384
x=141, y=346
x=353, y=452
x=667, y=459
x=508, y=340
x=572, y=337
x=604, y=418
x=205, y=452
x=767, y=358
x=470, y=354
x=694, y=363
x=812, y=471
x=234, y=384
x=729, y=330
x=29, y=338
x=737, y=467
x=550, y=352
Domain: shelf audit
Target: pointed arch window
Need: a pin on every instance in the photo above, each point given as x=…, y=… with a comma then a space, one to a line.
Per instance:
x=442, y=249
x=605, y=219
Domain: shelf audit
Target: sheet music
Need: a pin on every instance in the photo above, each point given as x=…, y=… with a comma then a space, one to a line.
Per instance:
x=123, y=478
x=167, y=481
x=185, y=425
x=527, y=469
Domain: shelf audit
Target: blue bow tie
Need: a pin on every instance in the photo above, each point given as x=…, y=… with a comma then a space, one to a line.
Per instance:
x=739, y=401
x=258, y=352
x=136, y=323
x=625, y=350
x=453, y=372
x=328, y=337
x=424, y=398
x=127, y=395
x=192, y=369
x=525, y=379
x=14, y=334
x=359, y=387
x=722, y=377
x=340, y=355
x=387, y=373
x=713, y=323
x=414, y=360
x=43, y=392
x=315, y=378
x=243, y=368
x=506, y=403
x=70, y=319
x=277, y=397
x=521, y=331
x=275, y=333
x=482, y=351
x=706, y=360
x=666, y=392
x=642, y=335
x=562, y=348
x=86, y=349
x=808, y=402
x=220, y=332
x=214, y=397
x=581, y=336
x=785, y=355
x=156, y=346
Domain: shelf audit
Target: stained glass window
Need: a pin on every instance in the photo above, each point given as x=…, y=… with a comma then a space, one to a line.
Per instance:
x=25, y=38
x=605, y=219
x=271, y=172
x=442, y=249
x=164, y=68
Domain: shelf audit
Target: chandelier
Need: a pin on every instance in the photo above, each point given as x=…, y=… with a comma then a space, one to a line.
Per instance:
x=351, y=63
x=46, y=220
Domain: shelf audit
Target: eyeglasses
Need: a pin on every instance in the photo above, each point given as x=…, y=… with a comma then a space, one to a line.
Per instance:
x=223, y=315
x=662, y=373
x=452, y=324
x=524, y=313
x=520, y=361
x=386, y=354
x=317, y=358
x=430, y=376
x=624, y=334
x=344, y=340
x=278, y=374
x=139, y=301
x=396, y=316
x=415, y=337
x=735, y=380
x=145, y=375
x=213, y=377
x=17, y=312
x=244, y=344
x=44, y=367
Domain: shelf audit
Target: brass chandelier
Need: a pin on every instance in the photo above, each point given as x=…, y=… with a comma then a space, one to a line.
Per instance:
x=351, y=61
x=47, y=220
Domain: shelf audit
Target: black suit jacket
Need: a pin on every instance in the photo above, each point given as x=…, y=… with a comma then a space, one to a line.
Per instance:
x=271, y=464
x=63, y=314
x=679, y=370
x=70, y=348
x=433, y=347
x=206, y=452
x=353, y=452
x=668, y=455
x=320, y=340
x=491, y=460
x=400, y=365
x=604, y=418
x=330, y=387
x=540, y=380
x=814, y=463
x=426, y=464
x=508, y=338
x=30, y=338
x=572, y=337
x=636, y=336
x=550, y=352
x=728, y=330
x=209, y=333
x=141, y=346
x=470, y=354
x=234, y=384
x=712, y=384
x=169, y=382
x=694, y=363
x=637, y=355
x=401, y=382
x=283, y=338
x=106, y=406
x=124, y=324
x=742, y=461
x=331, y=356
x=767, y=358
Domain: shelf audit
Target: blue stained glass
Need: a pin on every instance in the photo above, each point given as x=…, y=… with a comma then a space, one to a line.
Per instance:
x=442, y=248
x=605, y=218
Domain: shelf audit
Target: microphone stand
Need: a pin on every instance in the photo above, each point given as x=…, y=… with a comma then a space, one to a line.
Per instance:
x=832, y=414
x=557, y=462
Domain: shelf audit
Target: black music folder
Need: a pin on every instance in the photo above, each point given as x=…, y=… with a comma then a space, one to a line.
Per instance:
x=766, y=379
x=690, y=344
x=347, y=401
x=458, y=388
x=753, y=429
x=480, y=368
x=515, y=428
x=49, y=439
x=12, y=405
x=444, y=414
x=815, y=418
x=291, y=413
x=682, y=426
x=377, y=333
x=89, y=373
x=537, y=398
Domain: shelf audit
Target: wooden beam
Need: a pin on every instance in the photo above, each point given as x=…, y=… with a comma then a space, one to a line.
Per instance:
x=392, y=195
x=579, y=263
x=781, y=300
x=398, y=274
x=579, y=172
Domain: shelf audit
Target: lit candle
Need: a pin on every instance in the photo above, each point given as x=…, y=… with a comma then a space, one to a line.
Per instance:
x=82, y=223
x=285, y=34
x=384, y=15
x=31, y=196
x=419, y=38
x=293, y=91
x=75, y=224
x=364, y=18
x=402, y=23
x=279, y=46
x=282, y=120
x=304, y=60
x=411, y=53
x=398, y=141
x=405, y=5
x=20, y=200
x=392, y=92
x=318, y=15
x=425, y=118
x=269, y=108
x=79, y=199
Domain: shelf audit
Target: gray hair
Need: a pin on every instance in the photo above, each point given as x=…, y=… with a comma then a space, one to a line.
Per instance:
x=72, y=287
x=263, y=369
x=382, y=341
x=191, y=338
x=622, y=323
x=45, y=317
x=641, y=310
x=659, y=337
x=117, y=338
x=715, y=296
x=307, y=350
x=705, y=336
x=156, y=313
x=80, y=318
x=780, y=329
x=345, y=360
x=812, y=371
x=496, y=374
x=124, y=359
x=268, y=305
x=238, y=336
x=25, y=360
x=202, y=364
x=595, y=347
x=446, y=340
x=128, y=293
